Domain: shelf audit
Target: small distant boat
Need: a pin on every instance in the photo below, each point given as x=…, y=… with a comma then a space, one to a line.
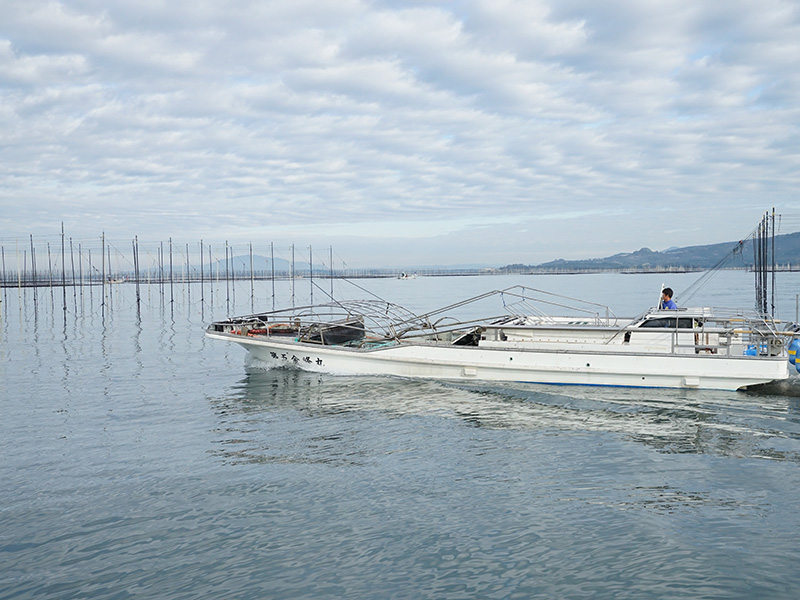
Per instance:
x=117, y=279
x=407, y=276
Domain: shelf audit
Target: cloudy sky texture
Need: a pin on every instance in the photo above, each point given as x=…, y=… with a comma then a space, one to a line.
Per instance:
x=474, y=131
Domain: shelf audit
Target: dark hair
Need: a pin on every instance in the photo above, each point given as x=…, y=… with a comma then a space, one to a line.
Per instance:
x=667, y=291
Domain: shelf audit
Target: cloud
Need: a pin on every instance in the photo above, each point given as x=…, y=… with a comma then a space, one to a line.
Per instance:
x=472, y=127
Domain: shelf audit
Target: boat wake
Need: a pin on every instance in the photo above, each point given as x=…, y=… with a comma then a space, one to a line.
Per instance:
x=761, y=424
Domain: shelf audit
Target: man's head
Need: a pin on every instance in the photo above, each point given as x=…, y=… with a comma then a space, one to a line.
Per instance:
x=666, y=293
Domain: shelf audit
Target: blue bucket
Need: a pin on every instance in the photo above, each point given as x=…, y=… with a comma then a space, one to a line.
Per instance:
x=792, y=350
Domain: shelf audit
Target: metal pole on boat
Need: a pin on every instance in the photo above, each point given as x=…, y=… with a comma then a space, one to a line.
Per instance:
x=311, y=272
x=331, y=259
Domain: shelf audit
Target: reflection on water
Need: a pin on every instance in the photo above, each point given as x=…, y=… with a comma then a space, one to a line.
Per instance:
x=744, y=425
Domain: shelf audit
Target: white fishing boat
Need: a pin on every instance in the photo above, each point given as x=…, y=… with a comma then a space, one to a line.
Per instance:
x=517, y=339
x=685, y=348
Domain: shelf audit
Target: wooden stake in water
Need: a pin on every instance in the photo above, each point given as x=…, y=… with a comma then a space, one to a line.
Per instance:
x=272, y=267
x=171, y=290
x=63, y=271
x=252, y=291
x=74, y=290
x=103, y=271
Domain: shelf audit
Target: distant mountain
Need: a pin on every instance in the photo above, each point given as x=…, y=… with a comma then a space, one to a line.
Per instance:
x=261, y=264
x=727, y=254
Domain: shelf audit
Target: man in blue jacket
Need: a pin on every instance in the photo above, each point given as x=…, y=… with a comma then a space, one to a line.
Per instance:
x=666, y=299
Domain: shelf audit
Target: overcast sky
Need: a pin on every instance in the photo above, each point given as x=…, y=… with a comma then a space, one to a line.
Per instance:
x=400, y=133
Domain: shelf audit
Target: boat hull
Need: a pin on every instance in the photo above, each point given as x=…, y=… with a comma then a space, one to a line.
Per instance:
x=546, y=366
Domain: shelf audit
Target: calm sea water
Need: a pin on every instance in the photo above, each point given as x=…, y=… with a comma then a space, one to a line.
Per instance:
x=141, y=460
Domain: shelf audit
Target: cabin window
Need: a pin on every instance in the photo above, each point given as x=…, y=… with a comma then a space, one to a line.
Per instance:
x=669, y=322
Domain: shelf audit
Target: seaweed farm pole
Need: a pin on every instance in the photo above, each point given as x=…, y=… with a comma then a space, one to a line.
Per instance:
x=80, y=271
x=19, y=272
x=72, y=262
x=63, y=272
x=292, y=273
x=110, y=276
x=202, y=293
x=91, y=275
x=161, y=270
x=233, y=278
x=3, y=256
x=188, y=276
x=33, y=270
x=272, y=267
x=136, y=275
x=171, y=290
x=50, y=272
x=103, y=271
x=138, y=295
x=252, y=291
x=33, y=263
x=227, y=278
x=211, y=275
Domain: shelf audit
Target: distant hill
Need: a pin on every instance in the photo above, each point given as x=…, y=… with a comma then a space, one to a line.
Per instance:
x=262, y=264
x=734, y=254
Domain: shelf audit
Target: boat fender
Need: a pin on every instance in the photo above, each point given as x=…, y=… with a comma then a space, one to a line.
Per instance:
x=792, y=350
x=751, y=350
